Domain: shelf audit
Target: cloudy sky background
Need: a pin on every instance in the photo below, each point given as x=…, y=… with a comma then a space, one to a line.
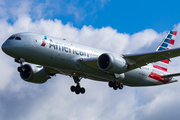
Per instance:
x=120, y=27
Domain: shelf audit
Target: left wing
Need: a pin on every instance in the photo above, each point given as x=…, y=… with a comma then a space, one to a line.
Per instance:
x=138, y=60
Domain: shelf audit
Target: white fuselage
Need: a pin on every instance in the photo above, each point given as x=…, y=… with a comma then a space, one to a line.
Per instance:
x=64, y=57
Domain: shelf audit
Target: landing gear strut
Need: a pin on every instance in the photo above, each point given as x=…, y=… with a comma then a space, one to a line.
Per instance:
x=115, y=84
x=77, y=89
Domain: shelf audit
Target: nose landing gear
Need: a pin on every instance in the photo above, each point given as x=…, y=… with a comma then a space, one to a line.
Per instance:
x=77, y=89
x=21, y=68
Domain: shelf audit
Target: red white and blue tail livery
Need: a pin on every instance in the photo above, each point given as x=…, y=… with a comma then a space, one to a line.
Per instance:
x=166, y=44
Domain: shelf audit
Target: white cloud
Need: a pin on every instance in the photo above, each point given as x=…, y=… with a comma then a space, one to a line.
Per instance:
x=142, y=39
x=53, y=100
x=164, y=103
x=103, y=38
x=79, y=10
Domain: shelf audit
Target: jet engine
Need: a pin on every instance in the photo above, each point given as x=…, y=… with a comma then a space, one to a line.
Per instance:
x=112, y=63
x=34, y=74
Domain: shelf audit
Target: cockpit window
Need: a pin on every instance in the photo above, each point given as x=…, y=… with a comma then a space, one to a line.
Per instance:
x=11, y=38
x=17, y=38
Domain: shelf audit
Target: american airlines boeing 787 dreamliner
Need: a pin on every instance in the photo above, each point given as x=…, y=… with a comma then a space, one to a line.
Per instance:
x=59, y=56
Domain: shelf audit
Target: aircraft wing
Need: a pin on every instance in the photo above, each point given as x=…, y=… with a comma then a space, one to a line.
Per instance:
x=139, y=60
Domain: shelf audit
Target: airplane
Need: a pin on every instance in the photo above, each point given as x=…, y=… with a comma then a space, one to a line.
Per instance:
x=50, y=56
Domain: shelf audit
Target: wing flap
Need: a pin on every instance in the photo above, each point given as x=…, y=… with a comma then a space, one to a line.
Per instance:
x=137, y=60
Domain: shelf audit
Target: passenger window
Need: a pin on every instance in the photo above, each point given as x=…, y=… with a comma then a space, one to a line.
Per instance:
x=11, y=38
x=17, y=38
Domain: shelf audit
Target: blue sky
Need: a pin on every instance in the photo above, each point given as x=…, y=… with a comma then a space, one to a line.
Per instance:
x=117, y=26
x=127, y=16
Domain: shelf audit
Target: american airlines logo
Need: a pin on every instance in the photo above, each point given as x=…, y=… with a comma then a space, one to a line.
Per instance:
x=66, y=48
x=44, y=43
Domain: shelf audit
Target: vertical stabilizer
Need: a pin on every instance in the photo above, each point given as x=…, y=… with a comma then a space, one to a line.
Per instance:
x=167, y=43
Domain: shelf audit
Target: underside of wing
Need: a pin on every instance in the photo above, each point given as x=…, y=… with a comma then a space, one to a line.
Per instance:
x=138, y=60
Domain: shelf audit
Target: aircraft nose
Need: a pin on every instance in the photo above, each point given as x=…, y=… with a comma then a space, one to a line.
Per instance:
x=6, y=47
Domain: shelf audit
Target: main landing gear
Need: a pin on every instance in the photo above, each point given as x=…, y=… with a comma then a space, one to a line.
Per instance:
x=77, y=89
x=115, y=85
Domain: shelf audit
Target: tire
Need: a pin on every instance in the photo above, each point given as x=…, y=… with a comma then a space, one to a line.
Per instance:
x=110, y=83
x=78, y=89
x=120, y=86
x=19, y=69
x=116, y=83
x=82, y=90
x=73, y=88
x=77, y=92
x=115, y=87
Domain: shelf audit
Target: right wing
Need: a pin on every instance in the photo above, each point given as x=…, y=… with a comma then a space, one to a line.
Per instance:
x=138, y=60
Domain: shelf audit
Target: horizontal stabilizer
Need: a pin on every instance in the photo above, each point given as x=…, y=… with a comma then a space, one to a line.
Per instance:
x=170, y=75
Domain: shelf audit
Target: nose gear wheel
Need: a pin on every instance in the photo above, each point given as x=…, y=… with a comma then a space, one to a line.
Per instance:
x=77, y=89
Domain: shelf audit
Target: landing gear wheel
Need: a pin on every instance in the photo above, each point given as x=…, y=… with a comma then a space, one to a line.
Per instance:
x=120, y=86
x=115, y=87
x=78, y=89
x=115, y=84
x=73, y=88
x=110, y=83
x=82, y=90
x=77, y=92
x=21, y=69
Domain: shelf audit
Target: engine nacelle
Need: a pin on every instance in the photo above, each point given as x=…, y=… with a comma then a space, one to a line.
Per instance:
x=34, y=74
x=112, y=63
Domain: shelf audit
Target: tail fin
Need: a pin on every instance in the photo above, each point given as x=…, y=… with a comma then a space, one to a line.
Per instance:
x=167, y=43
